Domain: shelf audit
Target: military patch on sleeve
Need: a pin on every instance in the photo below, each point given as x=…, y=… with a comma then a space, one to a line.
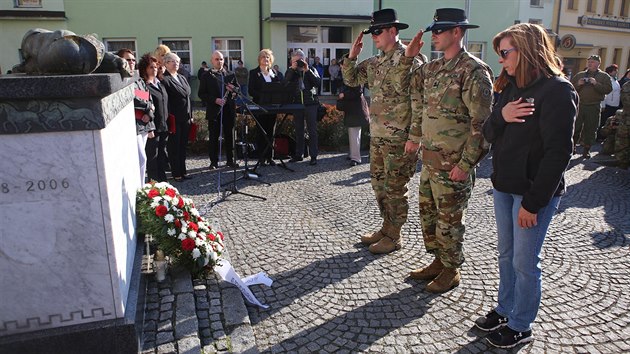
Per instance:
x=486, y=93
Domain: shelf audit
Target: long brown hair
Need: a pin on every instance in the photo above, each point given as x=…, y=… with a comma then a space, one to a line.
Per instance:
x=536, y=54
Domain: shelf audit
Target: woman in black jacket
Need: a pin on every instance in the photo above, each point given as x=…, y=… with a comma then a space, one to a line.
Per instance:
x=355, y=116
x=257, y=78
x=307, y=81
x=178, y=105
x=530, y=130
x=156, y=146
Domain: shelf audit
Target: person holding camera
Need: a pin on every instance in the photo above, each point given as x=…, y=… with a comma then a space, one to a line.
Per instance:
x=308, y=81
x=592, y=85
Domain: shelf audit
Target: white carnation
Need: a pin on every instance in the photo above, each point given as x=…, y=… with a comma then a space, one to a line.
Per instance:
x=182, y=236
x=192, y=234
x=196, y=253
x=171, y=232
x=169, y=218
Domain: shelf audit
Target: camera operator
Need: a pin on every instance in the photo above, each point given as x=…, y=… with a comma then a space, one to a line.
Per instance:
x=308, y=81
x=592, y=85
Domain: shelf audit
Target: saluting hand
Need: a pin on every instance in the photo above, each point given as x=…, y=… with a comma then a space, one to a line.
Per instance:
x=413, y=48
x=357, y=46
x=515, y=111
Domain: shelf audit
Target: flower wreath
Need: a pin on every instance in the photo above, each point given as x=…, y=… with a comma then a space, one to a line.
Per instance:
x=177, y=227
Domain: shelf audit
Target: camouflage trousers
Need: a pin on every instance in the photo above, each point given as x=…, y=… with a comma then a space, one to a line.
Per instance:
x=622, y=144
x=586, y=124
x=442, y=206
x=390, y=171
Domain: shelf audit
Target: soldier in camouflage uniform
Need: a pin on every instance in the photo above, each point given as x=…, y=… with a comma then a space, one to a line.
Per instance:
x=387, y=75
x=592, y=85
x=622, y=137
x=609, y=131
x=451, y=99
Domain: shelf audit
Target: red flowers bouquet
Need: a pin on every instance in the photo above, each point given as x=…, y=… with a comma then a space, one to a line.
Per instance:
x=179, y=230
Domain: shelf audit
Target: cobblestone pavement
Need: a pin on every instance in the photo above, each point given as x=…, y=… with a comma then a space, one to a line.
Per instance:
x=331, y=295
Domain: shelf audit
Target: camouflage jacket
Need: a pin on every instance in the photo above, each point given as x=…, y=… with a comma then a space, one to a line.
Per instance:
x=451, y=99
x=625, y=98
x=592, y=94
x=387, y=76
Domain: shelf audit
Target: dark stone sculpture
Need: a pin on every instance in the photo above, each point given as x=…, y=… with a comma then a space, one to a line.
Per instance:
x=63, y=52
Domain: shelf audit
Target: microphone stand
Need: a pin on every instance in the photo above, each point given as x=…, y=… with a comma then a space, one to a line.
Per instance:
x=246, y=173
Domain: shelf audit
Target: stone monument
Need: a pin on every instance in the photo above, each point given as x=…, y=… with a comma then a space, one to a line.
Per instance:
x=69, y=254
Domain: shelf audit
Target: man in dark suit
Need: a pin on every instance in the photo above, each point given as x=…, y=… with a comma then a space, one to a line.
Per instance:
x=216, y=88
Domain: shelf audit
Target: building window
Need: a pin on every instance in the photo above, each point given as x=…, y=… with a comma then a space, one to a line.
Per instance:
x=231, y=48
x=571, y=5
x=617, y=56
x=181, y=47
x=535, y=21
x=435, y=54
x=535, y=3
x=609, y=5
x=474, y=48
x=625, y=4
x=319, y=34
x=114, y=45
x=28, y=3
x=591, y=6
x=477, y=49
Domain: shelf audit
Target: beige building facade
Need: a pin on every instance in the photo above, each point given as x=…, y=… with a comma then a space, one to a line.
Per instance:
x=587, y=27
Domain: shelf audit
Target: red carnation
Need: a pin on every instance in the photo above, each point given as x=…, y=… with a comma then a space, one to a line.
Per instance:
x=199, y=218
x=211, y=237
x=178, y=224
x=193, y=226
x=153, y=193
x=161, y=210
x=186, y=216
x=180, y=204
x=188, y=244
x=170, y=192
x=220, y=234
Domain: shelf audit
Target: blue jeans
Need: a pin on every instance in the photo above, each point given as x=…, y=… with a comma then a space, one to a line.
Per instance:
x=520, y=275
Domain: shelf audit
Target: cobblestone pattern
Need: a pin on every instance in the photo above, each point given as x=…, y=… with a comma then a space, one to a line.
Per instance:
x=186, y=316
x=331, y=295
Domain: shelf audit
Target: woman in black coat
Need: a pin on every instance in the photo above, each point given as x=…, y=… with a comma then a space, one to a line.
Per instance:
x=156, y=146
x=257, y=78
x=178, y=105
x=355, y=116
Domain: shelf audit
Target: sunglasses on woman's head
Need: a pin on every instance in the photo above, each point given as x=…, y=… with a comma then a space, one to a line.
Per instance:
x=505, y=52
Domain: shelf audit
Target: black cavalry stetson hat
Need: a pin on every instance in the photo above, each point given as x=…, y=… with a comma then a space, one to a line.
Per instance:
x=449, y=18
x=383, y=19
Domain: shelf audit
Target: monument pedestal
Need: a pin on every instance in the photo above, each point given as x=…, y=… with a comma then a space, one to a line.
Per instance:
x=69, y=252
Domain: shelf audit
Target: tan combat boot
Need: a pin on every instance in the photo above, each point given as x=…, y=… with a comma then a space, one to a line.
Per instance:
x=429, y=272
x=391, y=241
x=373, y=237
x=445, y=281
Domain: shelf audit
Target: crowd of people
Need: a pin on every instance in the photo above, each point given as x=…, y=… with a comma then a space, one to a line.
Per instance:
x=449, y=112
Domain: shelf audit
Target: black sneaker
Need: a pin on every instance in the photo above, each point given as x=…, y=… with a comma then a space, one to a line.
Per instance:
x=506, y=337
x=491, y=321
x=296, y=159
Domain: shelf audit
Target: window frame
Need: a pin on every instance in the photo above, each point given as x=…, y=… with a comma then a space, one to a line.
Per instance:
x=591, y=6
x=107, y=41
x=535, y=3
x=625, y=8
x=187, y=66
x=27, y=3
x=572, y=5
x=609, y=7
x=231, y=61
